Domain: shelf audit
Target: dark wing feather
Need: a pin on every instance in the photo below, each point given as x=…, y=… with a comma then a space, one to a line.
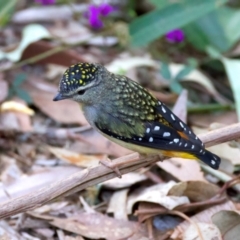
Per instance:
x=157, y=136
x=176, y=123
x=162, y=137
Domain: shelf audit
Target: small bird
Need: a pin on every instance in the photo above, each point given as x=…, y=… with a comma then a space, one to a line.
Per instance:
x=127, y=114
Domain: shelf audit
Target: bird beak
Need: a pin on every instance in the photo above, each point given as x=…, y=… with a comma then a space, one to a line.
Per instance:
x=59, y=97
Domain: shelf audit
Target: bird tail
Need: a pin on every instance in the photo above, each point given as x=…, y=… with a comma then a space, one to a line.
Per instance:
x=209, y=158
x=205, y=156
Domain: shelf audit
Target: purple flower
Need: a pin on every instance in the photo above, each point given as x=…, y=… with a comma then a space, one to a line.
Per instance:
x=46, y=2
x=95, y=13
x=94, y=17
x=106, y=9
x=175, y=36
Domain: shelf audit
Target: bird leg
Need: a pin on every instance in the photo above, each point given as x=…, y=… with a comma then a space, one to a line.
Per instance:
x=108, y=163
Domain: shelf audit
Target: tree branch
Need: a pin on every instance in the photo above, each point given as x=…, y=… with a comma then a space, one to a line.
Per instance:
x=89, y=177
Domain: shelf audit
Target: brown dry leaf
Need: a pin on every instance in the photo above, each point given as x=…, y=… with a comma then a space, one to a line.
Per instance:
x=63, y=58
x=126, y=181
x=224, y=150
x=227, y=152
x=208, y=231
x=205, y=119
x=168, y=98
x=180, y=107
x=4, y=89
x=10, y=171
x=75, y=158
x=46, y=14
x=9, y=121
x=229, y=224
x=204, y=216
x=71, y=33
x=42, y=94
x=73, y=238
x=156, y=194
x=97, y=143
x=117, y=204
x=8, y=232
x=97, y=226
x=183, y=169
x=16, y=120
x=196, y=191
x=16, y=115
x=37, y=179
x=54, y=71
x=56, y=206
x=45, y=233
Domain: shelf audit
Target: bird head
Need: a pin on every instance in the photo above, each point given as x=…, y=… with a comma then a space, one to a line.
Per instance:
x=79, y=82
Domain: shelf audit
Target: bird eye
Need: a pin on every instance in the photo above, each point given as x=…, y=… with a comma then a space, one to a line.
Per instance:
x=81, y=92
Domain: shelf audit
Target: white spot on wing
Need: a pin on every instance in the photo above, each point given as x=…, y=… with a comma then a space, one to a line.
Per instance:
x=190, y=132
x=164, y=110
x=166, y=134
x=170, y=142
x=156, y=128
x=150, y=139
x=159, y=103
x=213, y=162
x=148, y=130
x=185, y=145
x=192, y=146
x=172, y=116
x=140, y=139
x=181, y=124
x=176, y=140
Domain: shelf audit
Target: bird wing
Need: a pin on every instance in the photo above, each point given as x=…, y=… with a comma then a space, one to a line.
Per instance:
x=177, y=124
x=167, y=132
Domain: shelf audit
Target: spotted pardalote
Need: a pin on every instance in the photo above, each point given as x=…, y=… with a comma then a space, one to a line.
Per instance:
x=129, y=115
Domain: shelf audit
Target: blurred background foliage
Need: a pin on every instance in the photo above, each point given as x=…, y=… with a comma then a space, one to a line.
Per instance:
x=196, y=35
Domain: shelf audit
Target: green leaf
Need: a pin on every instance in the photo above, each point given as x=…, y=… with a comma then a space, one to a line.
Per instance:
x=20, y=78
x=220, y=29
x=161, y=3
x=233, y=71
x=160, y=21
x=214, y=31
x=213, y=53
x=24, y=95
x=184, y=72
x=165, y=71
x=229, y=19
x=176, y=87
x=6, y=10
x=195, y=36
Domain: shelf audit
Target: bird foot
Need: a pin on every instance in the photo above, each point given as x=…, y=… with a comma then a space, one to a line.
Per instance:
x=108, y=163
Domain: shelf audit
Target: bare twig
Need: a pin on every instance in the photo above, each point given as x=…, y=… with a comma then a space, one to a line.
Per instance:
x=95, y=175
x=221, y=135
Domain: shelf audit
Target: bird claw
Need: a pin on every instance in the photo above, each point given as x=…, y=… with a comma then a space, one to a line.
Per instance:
x=107, y=163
